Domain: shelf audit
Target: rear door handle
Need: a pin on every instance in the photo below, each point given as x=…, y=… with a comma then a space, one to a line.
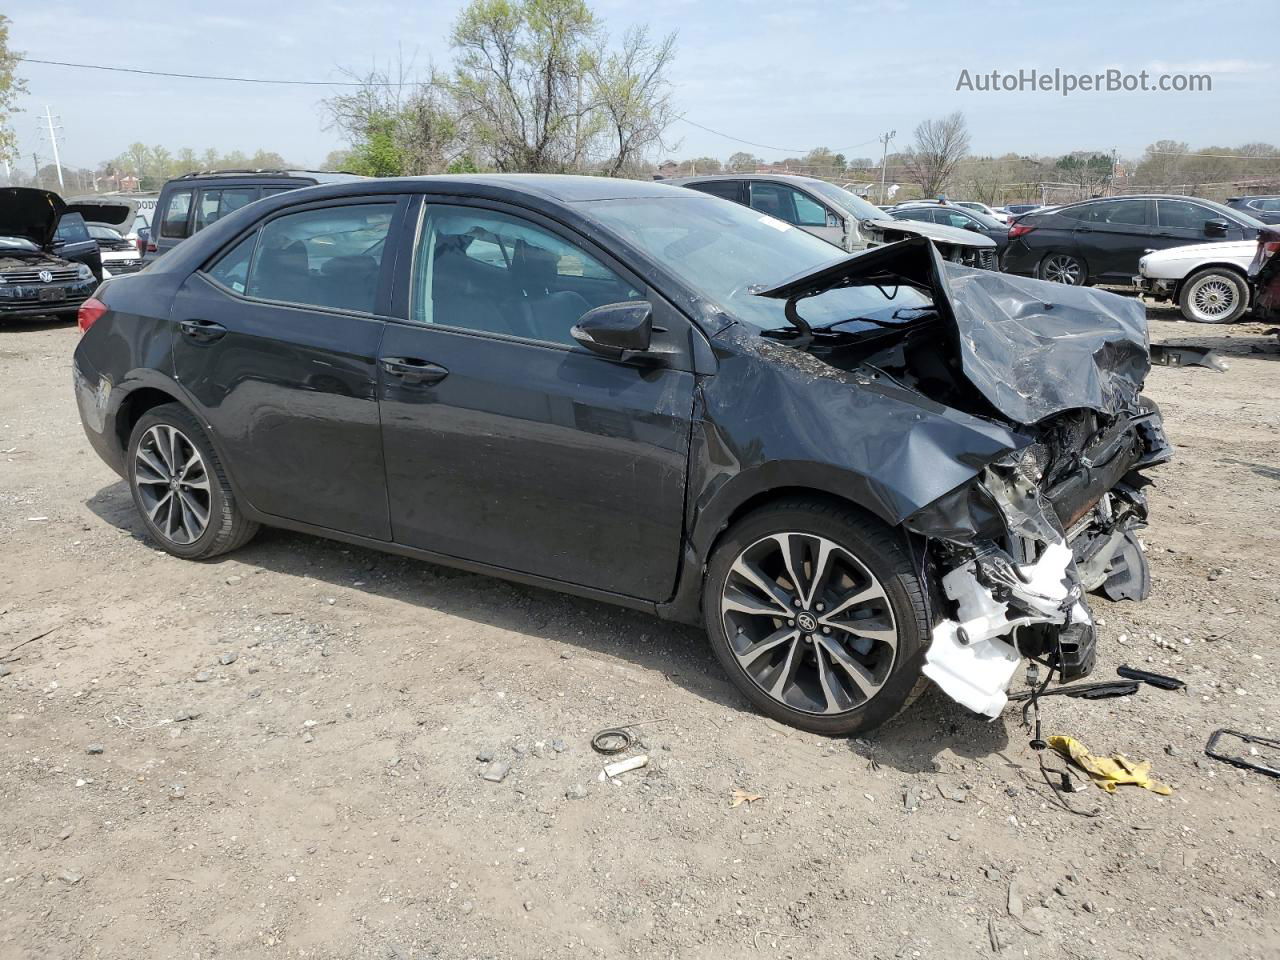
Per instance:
x=202, y=331
x=414, y=370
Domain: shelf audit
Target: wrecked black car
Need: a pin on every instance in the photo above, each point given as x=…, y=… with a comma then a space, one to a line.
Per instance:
x=46, y=260
x=856, y=471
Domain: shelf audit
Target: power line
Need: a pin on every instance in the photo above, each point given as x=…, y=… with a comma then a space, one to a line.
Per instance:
x=207, y=76
x=765, y=146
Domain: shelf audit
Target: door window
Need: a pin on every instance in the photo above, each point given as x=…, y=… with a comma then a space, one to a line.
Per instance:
x=216, y=204
x=787, y=204
x=232, y=270
x=483, y=270
x=1184, y=213
x=1083, y=211
x=953, y=218
x=176, y=220
x=328, y=257
x=1121, y=212
x=725, y=189
x=71, y=228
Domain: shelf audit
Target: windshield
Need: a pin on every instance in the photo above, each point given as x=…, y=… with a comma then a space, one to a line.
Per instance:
x=723, y=251
x=851, y=202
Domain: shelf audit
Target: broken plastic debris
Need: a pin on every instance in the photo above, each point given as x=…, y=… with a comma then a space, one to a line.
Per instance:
x=622, y=766
x=1108, y=772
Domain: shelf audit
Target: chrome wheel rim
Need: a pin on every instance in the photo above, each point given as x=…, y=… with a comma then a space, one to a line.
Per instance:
x=173, y=484
x=1062, y=269
x=1212, y=298
x=809, y=623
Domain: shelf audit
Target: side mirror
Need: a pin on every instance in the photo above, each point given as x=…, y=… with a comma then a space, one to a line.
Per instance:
x=973, y=226
x=618, y=331
x=1216, y=228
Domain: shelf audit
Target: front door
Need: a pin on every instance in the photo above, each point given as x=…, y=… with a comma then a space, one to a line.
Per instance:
x=784, y=202
x=1182, y=222
x=509, y=444
x=1114, y=238
x=277, y=344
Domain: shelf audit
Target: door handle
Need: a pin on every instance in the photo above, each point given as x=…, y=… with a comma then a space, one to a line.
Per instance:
x=413, y=370
x=202, y=331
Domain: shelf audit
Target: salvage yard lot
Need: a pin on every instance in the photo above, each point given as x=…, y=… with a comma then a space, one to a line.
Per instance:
x=290, y=742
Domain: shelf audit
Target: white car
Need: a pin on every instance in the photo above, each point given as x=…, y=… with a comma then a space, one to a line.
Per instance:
x=1208, y=281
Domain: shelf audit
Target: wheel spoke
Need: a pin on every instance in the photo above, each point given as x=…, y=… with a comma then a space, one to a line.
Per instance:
x=155, y=508
x=145, y=459
x=852, y=627
x=788, y=546
x=762, y=583
x=837, y=700
x=821, y=571
x=771, y=642
x=199, y=513
x=738, y=599
x=872, y=592
x=787, y=672
x=855, y=671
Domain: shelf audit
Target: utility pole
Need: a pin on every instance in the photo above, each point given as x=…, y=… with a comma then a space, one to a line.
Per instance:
x=35, y=161
x=53, y=142
x=884, y=156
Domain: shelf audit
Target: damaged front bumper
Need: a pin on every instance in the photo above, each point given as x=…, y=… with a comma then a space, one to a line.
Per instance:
x=1016, y=551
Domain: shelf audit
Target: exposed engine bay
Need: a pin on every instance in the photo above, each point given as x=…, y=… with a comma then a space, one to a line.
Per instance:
x=1014, y=551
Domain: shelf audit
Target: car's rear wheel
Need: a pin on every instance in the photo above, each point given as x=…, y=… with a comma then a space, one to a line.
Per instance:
x=1214, y=296
x=1062, y=268
x=180, y=487
x=818, y=615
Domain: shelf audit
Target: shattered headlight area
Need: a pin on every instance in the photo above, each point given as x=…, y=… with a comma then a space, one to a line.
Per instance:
x=1017, y=548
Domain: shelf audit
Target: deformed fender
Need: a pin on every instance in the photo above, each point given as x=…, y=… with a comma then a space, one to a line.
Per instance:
x=774, y=417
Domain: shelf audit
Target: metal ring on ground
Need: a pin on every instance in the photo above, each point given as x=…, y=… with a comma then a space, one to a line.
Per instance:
x=612, y=740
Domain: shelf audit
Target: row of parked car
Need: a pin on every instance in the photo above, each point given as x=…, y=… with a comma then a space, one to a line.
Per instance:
x=1190, y=251
x=1194, y=252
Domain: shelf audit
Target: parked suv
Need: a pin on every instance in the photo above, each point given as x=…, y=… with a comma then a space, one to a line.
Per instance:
x=1101, y=241
x=1266, y=209
x=852, y=469
x=193, y=201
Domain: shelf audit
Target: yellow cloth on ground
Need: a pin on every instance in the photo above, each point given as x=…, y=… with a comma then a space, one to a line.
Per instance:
x=1108, y=772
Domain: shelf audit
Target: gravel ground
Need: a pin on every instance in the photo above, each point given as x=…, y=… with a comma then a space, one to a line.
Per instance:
x=280, y=753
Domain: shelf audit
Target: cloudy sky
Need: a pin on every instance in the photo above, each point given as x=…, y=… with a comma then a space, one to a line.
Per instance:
x=791, y=75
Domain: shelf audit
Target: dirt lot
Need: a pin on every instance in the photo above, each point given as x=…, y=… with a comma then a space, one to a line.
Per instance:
x=278, y=754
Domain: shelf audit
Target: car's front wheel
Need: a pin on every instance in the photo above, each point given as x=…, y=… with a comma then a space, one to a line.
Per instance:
x=180, y=487
x=818, y=615
x=1214, y=296
x=1062, y=268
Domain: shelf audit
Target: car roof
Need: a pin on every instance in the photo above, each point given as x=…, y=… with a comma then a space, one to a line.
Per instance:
x=316, y=176
x=792, y=177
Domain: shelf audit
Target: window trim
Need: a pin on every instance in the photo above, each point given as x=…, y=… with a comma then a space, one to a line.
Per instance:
x=1102, y=202
x=219, y=188
x=384, y=297
x=566, y=233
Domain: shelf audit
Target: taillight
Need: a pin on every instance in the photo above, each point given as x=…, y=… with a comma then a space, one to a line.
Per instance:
x=142, y=247
x=89, y=313
x=1019, y=230
x=152, y=248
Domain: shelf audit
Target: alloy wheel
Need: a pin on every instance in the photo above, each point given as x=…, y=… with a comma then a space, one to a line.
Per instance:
x=1212, y=298
x=809, y=623
x=173, y=484
x=1060, y=268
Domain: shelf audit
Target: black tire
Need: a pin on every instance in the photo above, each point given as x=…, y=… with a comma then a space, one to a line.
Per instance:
x=1060, y=267
x=876, y=547
x=1214, y=295
x=227, y=528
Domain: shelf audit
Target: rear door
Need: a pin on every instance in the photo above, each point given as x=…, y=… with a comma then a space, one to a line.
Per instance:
x=1114, y=237
x=507, y=442
x=277, y=349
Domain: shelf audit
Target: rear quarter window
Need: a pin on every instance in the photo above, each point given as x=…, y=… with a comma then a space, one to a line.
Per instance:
x=175, y=222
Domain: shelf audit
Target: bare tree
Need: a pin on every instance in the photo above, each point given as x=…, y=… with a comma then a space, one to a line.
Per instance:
x=633, y=94
x=940, y=144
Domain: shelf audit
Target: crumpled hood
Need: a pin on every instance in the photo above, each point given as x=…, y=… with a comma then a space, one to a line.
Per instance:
x=1032, y=348
x=31, y=213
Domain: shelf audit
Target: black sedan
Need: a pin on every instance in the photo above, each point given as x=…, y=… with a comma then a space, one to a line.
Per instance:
x=653, y=397
x=1101, y=241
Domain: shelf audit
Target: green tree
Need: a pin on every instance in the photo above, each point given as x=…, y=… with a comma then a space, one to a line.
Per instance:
x=522, y=70
x=742, y=162
x=11, y=87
